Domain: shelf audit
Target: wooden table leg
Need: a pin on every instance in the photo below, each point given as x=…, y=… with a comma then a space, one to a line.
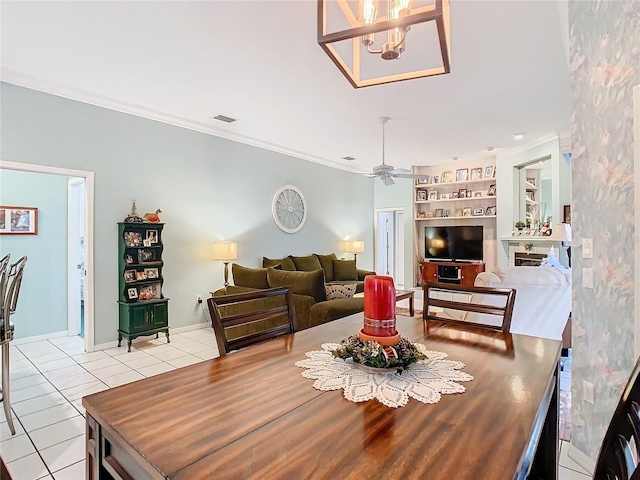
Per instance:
x=411, y=305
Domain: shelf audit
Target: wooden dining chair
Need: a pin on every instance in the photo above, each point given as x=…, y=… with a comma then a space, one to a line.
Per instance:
x=10, y=282
x=482, y=307
x=242, y=319
x=620, y=450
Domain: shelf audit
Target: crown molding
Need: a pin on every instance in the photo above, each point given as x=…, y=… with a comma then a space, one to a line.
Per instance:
x=16, y=78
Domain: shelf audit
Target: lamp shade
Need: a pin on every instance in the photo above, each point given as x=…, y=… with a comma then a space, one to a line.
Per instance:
x=354, y=246
x=225, y=251
x=561, y=232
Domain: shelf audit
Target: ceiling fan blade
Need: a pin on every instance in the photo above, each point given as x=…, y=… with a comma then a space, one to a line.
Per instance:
x=397, y=171
x=410, y=175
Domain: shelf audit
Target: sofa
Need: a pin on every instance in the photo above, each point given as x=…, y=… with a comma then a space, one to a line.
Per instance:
x=543, y=298
x=309, y=285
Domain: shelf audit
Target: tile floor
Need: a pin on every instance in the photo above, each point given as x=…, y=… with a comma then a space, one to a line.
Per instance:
x=49, y=379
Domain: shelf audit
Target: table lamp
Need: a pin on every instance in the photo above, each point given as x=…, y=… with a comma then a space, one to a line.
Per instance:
x=225, y=251
x=562, y=233
x=354, y=246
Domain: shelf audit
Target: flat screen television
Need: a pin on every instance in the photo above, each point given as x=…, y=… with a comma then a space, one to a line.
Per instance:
x=453, y=243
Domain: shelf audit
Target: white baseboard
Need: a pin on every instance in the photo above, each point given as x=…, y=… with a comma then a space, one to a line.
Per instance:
x=188, y=328
x=39, y=338
x=581, y=458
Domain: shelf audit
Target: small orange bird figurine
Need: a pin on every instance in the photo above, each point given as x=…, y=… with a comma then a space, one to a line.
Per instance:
x=153, y=217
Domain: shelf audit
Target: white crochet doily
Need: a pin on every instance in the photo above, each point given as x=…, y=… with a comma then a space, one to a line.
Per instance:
x=425, y=381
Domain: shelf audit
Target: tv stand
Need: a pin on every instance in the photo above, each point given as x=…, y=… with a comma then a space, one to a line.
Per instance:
x=459, y=273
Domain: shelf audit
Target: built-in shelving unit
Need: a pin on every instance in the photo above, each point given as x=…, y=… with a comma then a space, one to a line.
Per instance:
x=468, y=196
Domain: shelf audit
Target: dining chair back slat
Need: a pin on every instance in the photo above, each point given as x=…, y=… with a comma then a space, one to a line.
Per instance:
x=242, y=319
x=469, y=305
x=619, y=455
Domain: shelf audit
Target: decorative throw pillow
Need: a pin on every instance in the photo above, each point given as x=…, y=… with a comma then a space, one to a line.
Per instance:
x=344, y=270
x=285, y=263
x=302, y=283
x=326, y=262
x=340, y=291
x=249, y=277
x=306, y=264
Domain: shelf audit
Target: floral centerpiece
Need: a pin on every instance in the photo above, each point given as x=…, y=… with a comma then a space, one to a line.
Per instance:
x=372, y=354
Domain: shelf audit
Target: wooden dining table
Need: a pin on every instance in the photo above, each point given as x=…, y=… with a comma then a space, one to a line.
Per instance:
x=252, y=415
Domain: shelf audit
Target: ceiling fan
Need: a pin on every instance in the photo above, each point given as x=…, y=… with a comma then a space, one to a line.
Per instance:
x=387, y=173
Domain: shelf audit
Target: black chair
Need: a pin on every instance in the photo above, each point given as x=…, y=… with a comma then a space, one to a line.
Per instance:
x=619, y=454
x=466, y=305
x=10, y=282
x=242, y=319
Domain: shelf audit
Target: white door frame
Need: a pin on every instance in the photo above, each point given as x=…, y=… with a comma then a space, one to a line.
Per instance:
x=73, y=249
x=88, y=234
x=376, y=227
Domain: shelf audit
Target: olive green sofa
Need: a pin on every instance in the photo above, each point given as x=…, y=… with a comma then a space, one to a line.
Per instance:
x=309, y=294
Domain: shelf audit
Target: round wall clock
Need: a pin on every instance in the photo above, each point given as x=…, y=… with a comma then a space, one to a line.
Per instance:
x=289, y=209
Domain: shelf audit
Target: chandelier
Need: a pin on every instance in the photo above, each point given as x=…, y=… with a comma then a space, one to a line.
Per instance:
x=373, y=42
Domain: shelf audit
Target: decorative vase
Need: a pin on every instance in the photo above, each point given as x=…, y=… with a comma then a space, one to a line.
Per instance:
x=379, y=311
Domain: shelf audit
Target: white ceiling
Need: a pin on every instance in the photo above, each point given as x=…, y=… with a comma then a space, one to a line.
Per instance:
x=259, y=61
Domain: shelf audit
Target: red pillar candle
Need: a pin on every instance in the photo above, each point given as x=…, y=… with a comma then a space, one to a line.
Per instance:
x=379, y=306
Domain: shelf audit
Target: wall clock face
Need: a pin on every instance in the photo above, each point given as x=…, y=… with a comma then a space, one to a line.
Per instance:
x=289, y=209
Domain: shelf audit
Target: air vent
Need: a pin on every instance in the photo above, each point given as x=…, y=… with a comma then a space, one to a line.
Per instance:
x=348, y=158
x=224, y=118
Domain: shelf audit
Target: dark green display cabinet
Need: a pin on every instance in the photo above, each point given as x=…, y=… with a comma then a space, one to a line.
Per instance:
x=144, y=309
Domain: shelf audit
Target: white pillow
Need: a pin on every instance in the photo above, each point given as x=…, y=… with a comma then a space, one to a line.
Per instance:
x=336, y=291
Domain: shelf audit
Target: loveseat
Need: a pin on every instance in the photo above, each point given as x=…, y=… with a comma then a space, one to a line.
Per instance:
x=309, y=285
x=543, y=298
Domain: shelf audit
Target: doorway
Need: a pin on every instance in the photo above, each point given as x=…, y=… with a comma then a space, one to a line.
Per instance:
x=389, y=232
x=80, y=218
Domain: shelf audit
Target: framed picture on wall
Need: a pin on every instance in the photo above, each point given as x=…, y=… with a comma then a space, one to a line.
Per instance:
x=566, y=218
x=422, y=195
x=18, y=220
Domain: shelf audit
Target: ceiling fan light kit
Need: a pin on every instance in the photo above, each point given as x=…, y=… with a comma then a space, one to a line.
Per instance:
x=349, y=38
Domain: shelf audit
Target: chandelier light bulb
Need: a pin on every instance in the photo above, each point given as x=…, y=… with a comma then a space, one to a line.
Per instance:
x=368, y=11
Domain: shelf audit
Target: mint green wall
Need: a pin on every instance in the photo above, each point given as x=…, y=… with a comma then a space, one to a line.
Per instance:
x=400, y=195
x=42, y=305
x=208, y=188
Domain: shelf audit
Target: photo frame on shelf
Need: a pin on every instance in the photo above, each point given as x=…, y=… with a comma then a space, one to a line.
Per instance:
x=458, y=212
x=455, y=195
x=132, y=239
x=476, y=173
x=149, y=292
x=423, y=181
x=466, y=212
x=446, y=177
x=490, y=211
x=140, y=276
x=421, y=195
x=129, y=276
x=421, y=214
x=128, y=259
x=489, y=171
x=529, y=196
x=468, y=193
x=132, y=293
x=446, y=213
x=462, y=193
x=429, y=214
x=532, y=181
x=478, y=193
x=146, y=256
x=152, y=236
x=492, y=191
x=566, y=217
x=433, y=195
x=18, y=220
x=444, y=196
x=462, y=175
x=435, y=179
x=477, y=211
x=439, y=212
